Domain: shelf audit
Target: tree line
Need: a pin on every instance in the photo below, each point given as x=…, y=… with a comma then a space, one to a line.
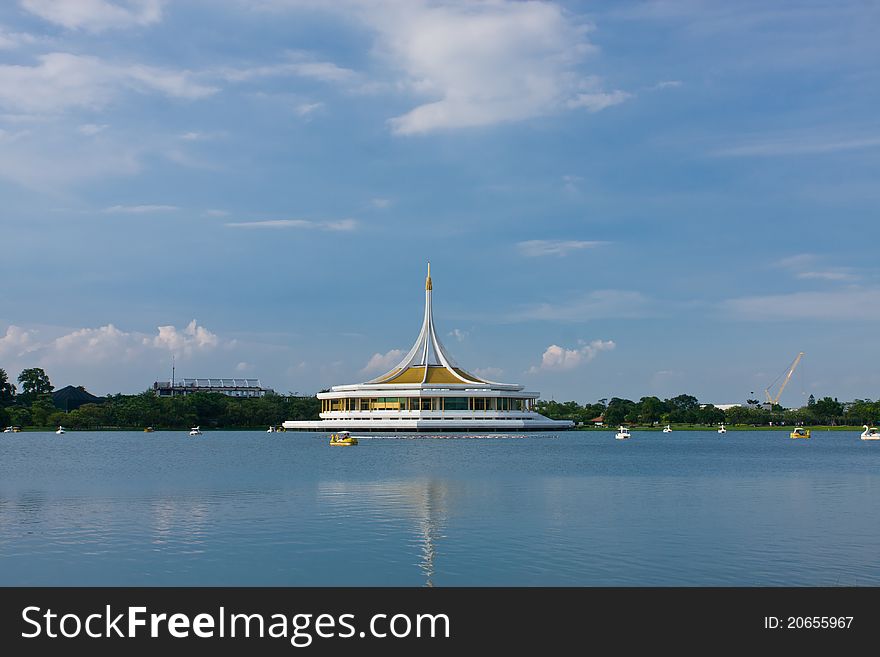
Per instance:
x=687, y=409
x=33, y=407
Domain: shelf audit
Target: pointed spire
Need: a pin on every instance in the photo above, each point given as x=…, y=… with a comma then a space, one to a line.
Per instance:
x=427, y=355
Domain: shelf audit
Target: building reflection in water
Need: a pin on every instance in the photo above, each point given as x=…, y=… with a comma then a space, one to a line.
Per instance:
x=425, y=502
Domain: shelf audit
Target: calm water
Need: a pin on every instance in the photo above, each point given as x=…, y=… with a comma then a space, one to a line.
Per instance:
x=251, y=508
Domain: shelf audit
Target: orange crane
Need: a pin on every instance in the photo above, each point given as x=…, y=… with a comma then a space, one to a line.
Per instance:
x=772, y=400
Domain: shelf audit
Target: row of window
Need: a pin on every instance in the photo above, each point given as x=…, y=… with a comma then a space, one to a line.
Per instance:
x=426, y=404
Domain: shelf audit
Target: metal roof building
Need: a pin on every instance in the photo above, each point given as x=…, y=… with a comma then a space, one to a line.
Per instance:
x=229, y=387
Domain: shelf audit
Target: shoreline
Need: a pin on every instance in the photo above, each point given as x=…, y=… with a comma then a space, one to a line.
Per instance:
x=657, y=429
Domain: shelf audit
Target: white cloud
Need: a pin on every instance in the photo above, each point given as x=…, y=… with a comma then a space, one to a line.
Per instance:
x=380, y=363
x=847, y=305
x=54, y=157
x=96, y=15
x=139, y=209
x=103, y=344
x=597, y=100
x=106, y=344
x=10, y=137
x=380, y=203
x=243, y=367
x=667, y=84
x=559, y=358
x=600, y=304
x=482, y=63
x=91, y=129
x=806, y=266
x=341, y=225
x=799, y=145
x=61, y=81
x=12, y=40
x=16, y=342
x=489, y=373
x=194, y=135
x=537, y=248
x=192, y=338
x=458, y=334
x=305, y=109
x=299, y=64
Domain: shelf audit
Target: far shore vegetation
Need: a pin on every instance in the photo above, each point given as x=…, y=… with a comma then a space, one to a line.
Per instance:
x=30, y=405
x=33, y=407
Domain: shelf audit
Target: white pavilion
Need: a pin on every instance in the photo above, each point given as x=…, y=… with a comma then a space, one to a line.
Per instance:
x=428, y=392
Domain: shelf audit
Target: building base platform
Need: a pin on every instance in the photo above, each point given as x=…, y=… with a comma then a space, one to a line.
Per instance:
x=428, y=426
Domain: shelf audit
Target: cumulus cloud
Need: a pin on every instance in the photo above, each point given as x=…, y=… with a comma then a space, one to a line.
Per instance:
x=560, y=358
x=89, y=345
x=62, y=81
x=538, y=248
x=16, y=342
x=102, y=348
x=192, y=338
x=380, y=363
x=96, y=15
x=341, y=225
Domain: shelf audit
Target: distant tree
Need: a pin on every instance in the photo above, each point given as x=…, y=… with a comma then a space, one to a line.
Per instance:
x=684, y=408
x=7, y=389
x=828, y=410
x=811, y=401
x=619, y=411
x=34, y=381
x=650, y=409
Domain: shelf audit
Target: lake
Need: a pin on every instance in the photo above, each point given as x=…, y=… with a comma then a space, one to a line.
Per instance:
x=570, y=509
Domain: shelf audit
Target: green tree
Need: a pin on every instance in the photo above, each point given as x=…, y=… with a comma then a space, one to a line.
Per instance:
x=828, y=410
x=684, y=408
x=41, y=409
x=34, y=381
x=7, y=389
x=618, y=410
x=651, y=409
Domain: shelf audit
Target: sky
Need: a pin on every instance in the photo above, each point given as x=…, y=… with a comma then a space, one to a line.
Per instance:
x=617, y=198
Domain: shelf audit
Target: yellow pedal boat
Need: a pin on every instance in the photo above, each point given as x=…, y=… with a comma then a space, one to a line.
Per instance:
x=343, y=438
x=799, y=432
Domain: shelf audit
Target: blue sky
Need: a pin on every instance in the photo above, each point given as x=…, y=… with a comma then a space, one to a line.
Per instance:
x=618, y=199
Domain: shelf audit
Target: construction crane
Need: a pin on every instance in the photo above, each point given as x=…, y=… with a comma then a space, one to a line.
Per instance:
x=772, y=400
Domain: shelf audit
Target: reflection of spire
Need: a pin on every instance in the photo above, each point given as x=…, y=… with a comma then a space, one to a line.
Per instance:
x=431, y=523
x=426, y=501
x=428, y=285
